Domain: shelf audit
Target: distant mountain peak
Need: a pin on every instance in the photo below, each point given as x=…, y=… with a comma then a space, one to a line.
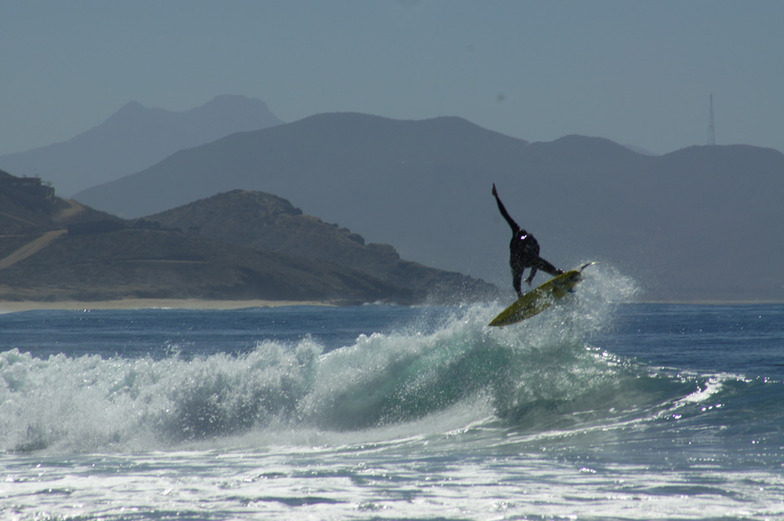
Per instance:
x=131, y=106
x=130, y=112
x=221, y=106
x=136, y=137
x=367, y=125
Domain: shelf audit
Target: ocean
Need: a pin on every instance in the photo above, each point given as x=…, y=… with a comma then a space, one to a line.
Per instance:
x=599, y=408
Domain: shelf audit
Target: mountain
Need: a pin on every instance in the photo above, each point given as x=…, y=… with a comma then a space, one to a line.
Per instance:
x=269, y=223
x=134, y=138
x=702, y=223
x=141, y=263
x=52, y=249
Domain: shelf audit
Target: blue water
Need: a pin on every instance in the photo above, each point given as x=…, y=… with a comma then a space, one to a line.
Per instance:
x=599, y=408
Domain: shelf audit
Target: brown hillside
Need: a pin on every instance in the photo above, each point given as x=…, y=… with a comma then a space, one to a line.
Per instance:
x=269, y=223
x=135, y=263
x=237, y=246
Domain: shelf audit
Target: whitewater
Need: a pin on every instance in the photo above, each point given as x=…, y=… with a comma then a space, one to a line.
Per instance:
x=599, y=408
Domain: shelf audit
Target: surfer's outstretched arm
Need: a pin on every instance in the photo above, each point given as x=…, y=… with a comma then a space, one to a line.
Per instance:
x=503, y=211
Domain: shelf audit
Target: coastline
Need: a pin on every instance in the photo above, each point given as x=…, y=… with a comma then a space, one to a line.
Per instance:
x=13, y=306
x=142, y=303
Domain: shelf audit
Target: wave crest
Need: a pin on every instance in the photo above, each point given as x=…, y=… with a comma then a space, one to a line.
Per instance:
x=537, y=374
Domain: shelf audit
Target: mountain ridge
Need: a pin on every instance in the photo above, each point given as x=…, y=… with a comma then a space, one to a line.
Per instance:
x=269, y=223
x=424, y=186
x=221, y=248
x=136, y=137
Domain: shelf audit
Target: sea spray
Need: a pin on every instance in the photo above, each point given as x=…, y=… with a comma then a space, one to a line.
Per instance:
x=421, y=368
x=667, y=410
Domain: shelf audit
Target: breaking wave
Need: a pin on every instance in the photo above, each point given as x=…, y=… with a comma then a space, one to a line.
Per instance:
x=540, y=375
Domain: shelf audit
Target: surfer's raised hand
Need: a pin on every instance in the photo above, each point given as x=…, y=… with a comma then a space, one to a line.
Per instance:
x=495, y=192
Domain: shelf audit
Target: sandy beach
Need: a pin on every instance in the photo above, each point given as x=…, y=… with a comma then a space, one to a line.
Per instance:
x=134, y=303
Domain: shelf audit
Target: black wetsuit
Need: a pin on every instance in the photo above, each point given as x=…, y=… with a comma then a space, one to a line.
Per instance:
x=523, y=251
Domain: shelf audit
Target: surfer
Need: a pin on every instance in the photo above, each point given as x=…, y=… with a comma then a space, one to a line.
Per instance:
x=523, y=251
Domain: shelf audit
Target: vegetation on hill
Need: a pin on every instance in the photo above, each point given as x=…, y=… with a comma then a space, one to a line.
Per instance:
x=269, y=223
x=235, y=246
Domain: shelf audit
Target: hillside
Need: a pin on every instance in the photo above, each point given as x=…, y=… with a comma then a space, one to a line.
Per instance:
x=271, y=224
x=134, y=138
x=134, y=263
x=28, y=206
x=702, y=223
x=53, y=249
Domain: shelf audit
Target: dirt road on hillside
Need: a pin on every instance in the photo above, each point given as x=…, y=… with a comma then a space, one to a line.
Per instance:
x=31, y=248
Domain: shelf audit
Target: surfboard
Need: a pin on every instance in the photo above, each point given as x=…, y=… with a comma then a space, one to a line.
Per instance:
x=541, y=298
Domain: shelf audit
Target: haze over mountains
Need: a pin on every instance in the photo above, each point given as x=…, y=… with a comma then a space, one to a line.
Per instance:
x=134, y=138
x=701, y=223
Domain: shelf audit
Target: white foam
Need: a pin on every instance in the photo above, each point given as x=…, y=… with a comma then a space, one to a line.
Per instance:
x=380, y=381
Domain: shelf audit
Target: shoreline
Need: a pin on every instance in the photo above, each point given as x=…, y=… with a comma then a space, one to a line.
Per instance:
x=143, y=303
x=13, y=306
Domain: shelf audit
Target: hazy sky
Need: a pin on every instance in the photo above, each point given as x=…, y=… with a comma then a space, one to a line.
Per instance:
x=635, y=72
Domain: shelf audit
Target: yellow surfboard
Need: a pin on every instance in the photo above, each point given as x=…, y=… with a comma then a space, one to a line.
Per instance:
x=541, y=298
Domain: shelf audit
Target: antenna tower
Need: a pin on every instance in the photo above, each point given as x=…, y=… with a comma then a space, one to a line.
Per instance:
x=711, y=129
